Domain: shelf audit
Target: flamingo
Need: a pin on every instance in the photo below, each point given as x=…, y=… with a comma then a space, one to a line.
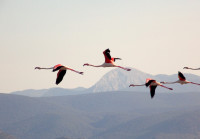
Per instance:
x=182, y=80
x=152, y=85
x=109, y=61
x=191, y=68
x=61, y=73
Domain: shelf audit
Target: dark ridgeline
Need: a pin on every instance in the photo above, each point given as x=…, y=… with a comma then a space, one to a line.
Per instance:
x=69, y=138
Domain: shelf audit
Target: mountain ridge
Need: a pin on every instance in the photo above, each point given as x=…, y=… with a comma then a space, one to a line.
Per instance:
x=118, y=80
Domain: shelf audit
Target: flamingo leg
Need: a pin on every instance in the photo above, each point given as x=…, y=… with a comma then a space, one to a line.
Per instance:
x=127, y=69
x=194, y=83
x=166, y=87
x=74, y=70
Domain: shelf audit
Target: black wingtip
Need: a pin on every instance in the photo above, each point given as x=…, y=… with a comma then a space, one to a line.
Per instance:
x=181, y=75
x=57, y=82
x=180, y=72
x=152, y=96
x=108, y=50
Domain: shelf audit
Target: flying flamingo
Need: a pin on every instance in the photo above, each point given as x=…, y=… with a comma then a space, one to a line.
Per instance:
x=191, y=68
x=152, y=85
x=61, y=73
x=182, y=80
x=109, y=61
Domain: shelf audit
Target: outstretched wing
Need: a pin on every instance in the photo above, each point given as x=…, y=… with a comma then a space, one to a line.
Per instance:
x=181, y=76
x=152, y=90
x=107, y=55
x=60, y=76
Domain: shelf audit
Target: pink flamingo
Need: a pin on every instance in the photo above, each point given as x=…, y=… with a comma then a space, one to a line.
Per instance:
x=152, y=85
x=109, y=61
x=61, y=73
x=182, y=80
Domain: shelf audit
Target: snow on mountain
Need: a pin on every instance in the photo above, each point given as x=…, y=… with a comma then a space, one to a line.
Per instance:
x=119, y=79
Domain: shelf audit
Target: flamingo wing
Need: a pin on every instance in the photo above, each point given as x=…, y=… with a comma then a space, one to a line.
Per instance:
x=60, y=76
x=152, y=90
x=181, y=76
x=57, y=67
x=107, y=54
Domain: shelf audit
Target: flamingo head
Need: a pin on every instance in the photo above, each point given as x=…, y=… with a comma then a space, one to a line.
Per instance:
x=131, y=85
x=37, y=68
x=86, y=64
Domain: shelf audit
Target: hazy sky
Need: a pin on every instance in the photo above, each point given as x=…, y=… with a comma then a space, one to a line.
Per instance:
x=154, y=36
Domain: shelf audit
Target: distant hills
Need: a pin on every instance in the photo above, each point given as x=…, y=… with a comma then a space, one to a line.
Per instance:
x=106, y=115
x=5, y=135
x=69, y=138
x=119, y=80
x=51, y=92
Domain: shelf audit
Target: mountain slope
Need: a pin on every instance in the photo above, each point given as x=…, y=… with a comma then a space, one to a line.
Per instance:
x=50, y=92
x=119, y=79
x=31, y=118
x=94, y=115
x=176, y=125
x=5, y=135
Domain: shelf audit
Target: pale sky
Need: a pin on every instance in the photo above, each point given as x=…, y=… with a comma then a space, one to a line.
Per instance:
x=154, y=36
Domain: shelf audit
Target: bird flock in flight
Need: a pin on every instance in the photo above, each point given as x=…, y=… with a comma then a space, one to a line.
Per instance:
x=109, y=62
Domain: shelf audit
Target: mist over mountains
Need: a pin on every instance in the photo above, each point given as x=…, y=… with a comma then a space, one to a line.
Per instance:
x=119, y=80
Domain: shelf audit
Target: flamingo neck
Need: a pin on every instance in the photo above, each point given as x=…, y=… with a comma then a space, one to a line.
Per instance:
x=166, y=87
x=139, y=85
x=95, y=65
x=43, y=68
x=194, y=68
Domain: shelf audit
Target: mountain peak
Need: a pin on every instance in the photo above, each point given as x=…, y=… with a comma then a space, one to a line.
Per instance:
x=118, y=79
